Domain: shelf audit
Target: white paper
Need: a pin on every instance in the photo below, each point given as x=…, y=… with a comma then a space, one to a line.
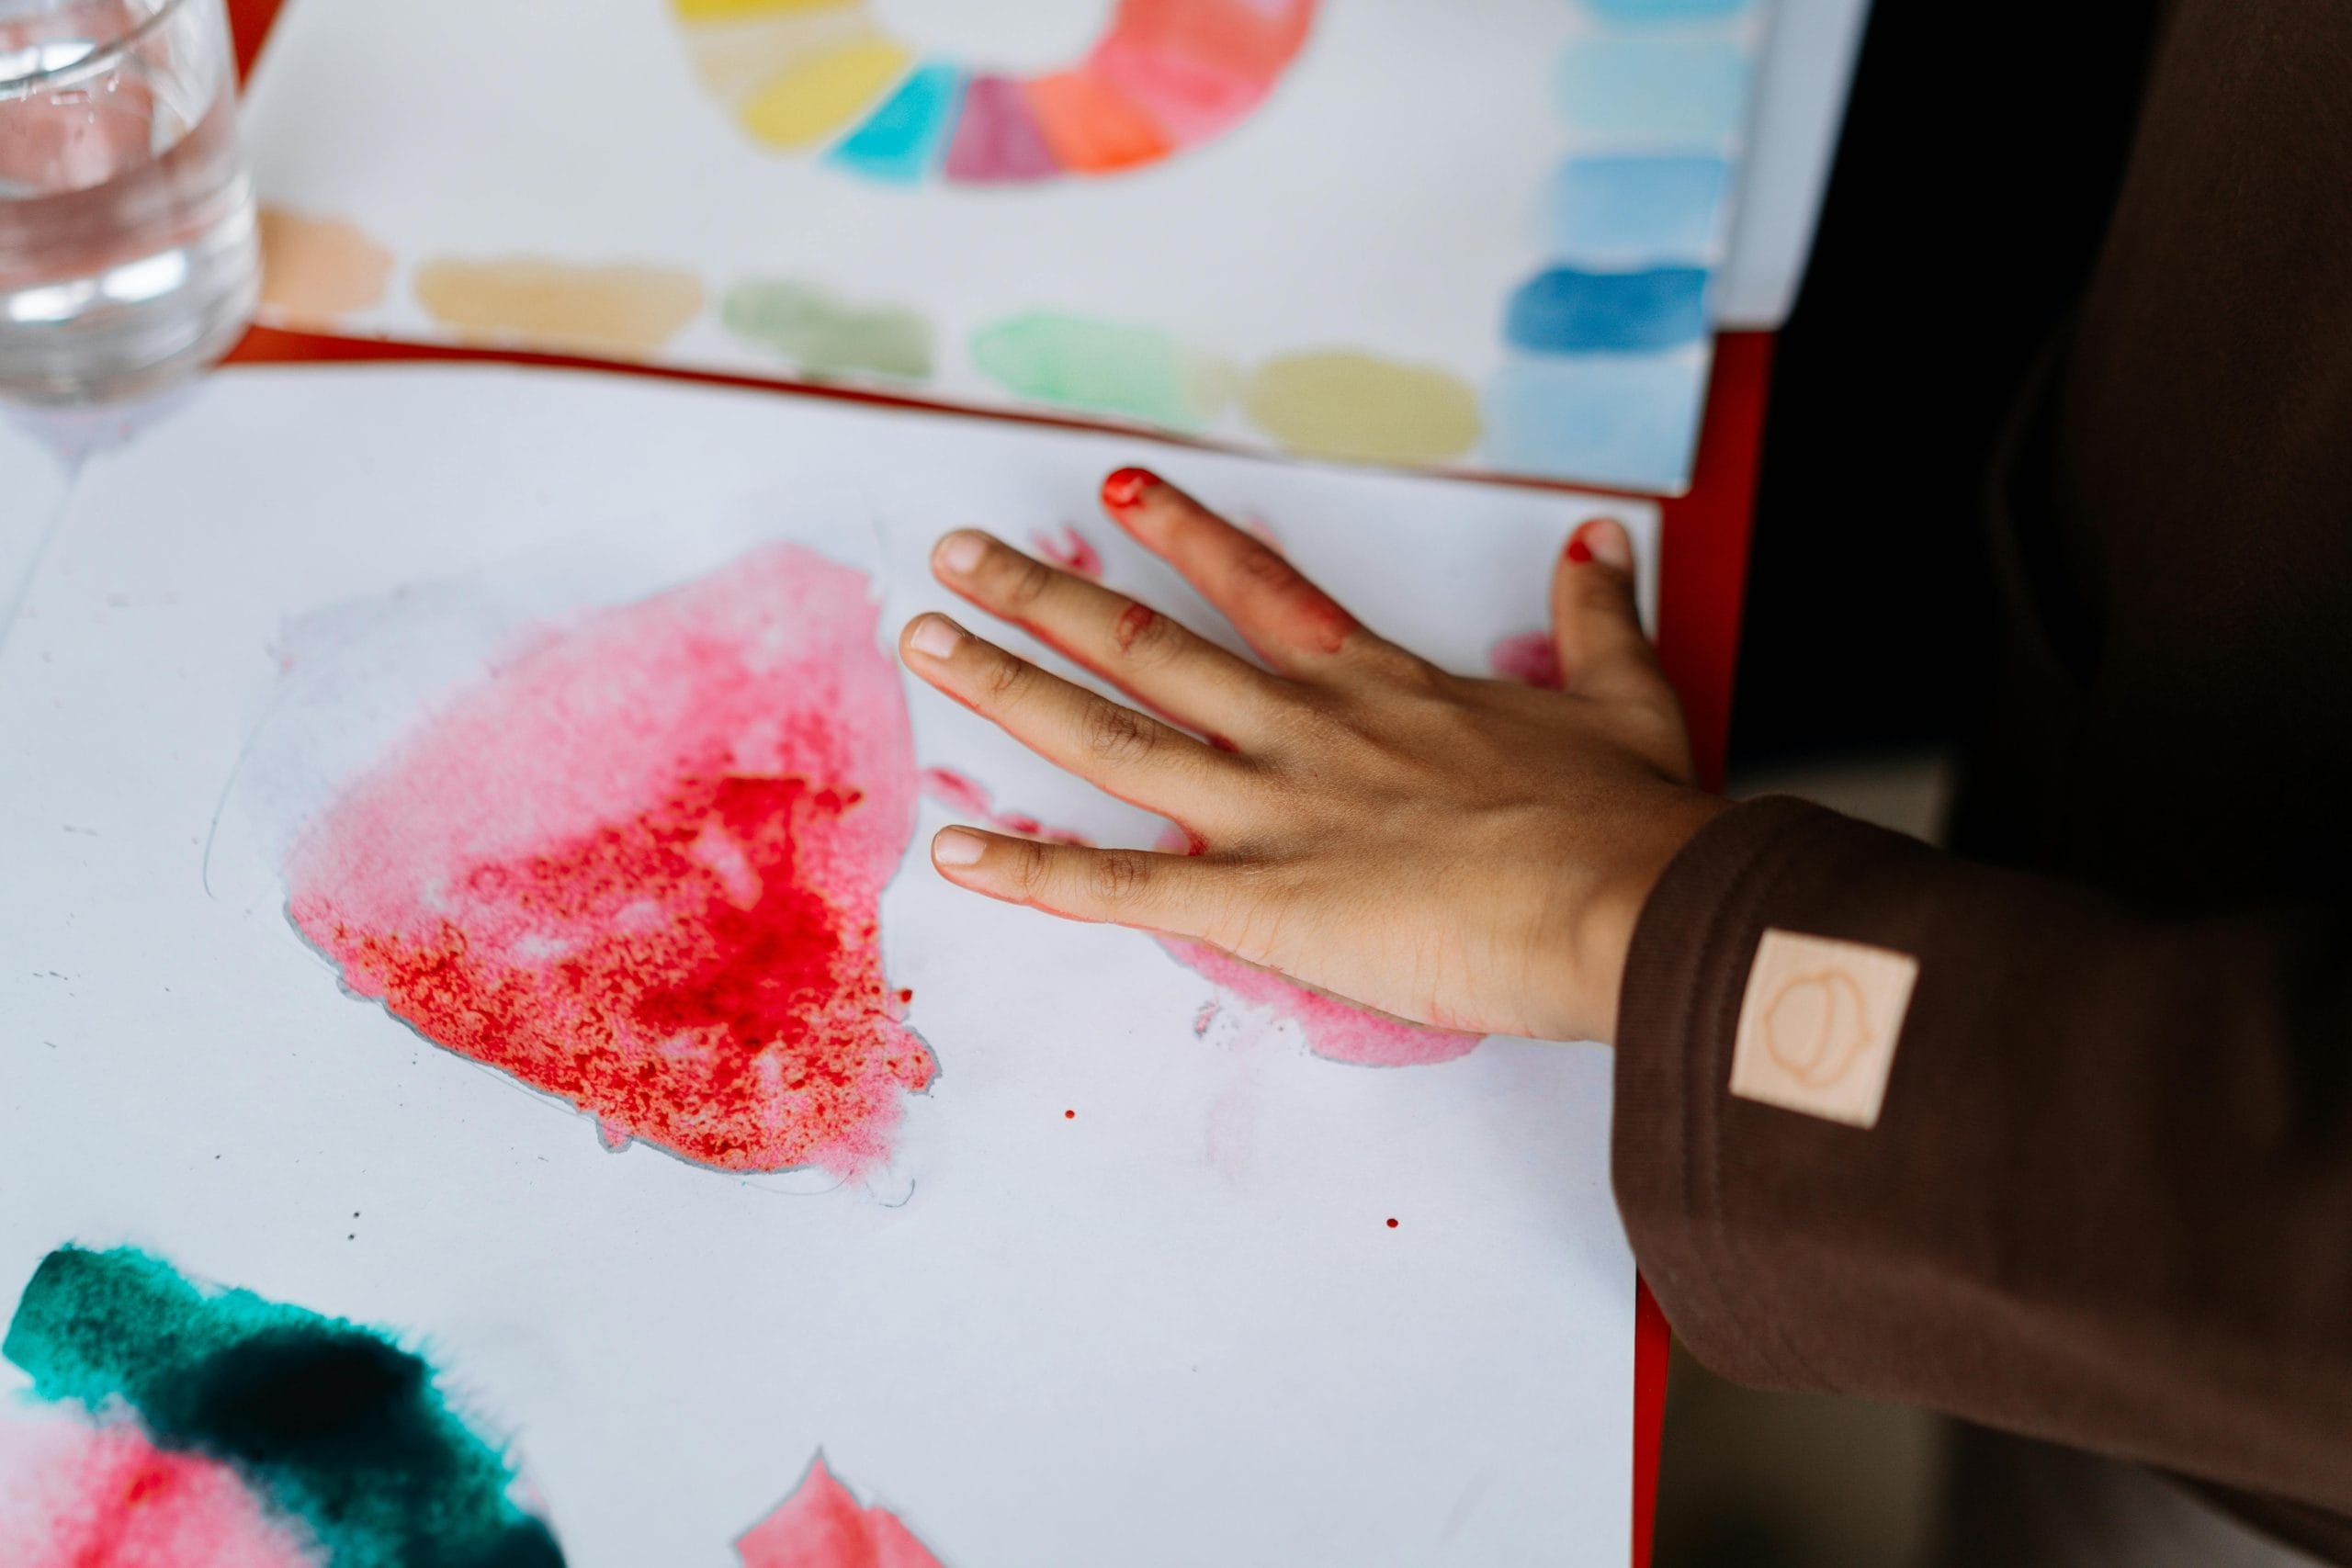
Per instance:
x=1390, y=197
x=1802, y=80
x=1127, y=1336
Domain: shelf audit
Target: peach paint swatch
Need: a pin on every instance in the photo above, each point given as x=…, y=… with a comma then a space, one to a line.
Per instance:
x=625, y=311
x=314, y=269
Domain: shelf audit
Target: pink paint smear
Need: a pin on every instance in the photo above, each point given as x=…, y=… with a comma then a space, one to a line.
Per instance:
x=1529, y=658
x=78, y=1496
x=966, y=797
x=1070, y=550
x=1340, y=1032
x=639, y=866
x=821, y=1526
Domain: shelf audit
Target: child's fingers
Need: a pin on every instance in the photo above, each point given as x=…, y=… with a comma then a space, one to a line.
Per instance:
x=1151, y=658
x=1174, y=894
x=1133, y=756
x=1287, y=619
x=1596, y=627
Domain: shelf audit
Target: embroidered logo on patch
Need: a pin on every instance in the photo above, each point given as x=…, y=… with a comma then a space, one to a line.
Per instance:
x=1818, y=1025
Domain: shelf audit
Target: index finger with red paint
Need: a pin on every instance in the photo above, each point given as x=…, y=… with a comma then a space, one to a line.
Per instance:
x=1287, y=618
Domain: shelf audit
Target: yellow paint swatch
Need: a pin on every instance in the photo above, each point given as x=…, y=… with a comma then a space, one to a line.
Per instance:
x=729, y=61
x=1342, y=403
x=628, y=311
x=816, y=97
x=314, y=269
x=745, y=10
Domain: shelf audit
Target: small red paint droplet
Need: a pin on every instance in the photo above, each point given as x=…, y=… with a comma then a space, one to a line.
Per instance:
x=906, y=995
x=1391, y=1224
x=1125, y=488
x=1069, y=1115
x=1578, y=551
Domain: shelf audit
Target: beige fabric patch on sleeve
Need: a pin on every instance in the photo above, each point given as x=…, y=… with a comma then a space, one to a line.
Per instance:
x=1818, y=1025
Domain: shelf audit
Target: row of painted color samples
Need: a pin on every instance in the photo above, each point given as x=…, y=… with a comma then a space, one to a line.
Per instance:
x=1351, y=230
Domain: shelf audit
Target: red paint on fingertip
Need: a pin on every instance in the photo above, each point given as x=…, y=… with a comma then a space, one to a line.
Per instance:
x=1126, y=488
x=1578, y=551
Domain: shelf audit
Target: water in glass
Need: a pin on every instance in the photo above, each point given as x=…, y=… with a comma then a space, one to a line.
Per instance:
x=127, y=249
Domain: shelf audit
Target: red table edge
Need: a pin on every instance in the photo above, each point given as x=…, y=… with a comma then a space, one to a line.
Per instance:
x=1702, y=571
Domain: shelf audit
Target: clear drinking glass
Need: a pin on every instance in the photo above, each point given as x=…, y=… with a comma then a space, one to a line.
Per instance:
x=126, y=250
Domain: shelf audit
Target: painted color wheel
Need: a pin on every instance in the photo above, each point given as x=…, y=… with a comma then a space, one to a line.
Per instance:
x=1165, y=75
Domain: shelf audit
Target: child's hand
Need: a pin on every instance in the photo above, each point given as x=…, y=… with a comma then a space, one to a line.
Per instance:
x=1461, y=853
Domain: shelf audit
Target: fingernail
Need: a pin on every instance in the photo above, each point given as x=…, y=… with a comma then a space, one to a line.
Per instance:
x=1126, y=488
x=1602, y=540
x=955, y=847
x=959, y=553
x=936, y=637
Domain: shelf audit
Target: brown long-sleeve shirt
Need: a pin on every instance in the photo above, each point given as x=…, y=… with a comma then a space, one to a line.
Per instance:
x=2106, y=1196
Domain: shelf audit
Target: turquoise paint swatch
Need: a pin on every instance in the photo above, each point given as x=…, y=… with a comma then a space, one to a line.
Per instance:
x=334, y=1422
x=1640, y=11
x=1564, y=310
x=1634, y=207
x=902, y=139
x=1679, y=93
x=1604, y=419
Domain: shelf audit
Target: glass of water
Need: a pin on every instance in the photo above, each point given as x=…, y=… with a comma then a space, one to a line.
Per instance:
x=126, y=250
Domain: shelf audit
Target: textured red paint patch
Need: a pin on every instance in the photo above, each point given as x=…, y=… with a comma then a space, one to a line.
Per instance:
x=1529, y=658
x=78, y=1496
x=1070, y=550
x=639, y=867
x=821, y=1526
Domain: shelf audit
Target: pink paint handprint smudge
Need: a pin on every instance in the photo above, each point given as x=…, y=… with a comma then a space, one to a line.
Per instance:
x=639, y=867
x=822, y=1526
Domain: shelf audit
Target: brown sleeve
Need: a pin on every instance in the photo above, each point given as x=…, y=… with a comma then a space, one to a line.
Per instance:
x=2108, y=1199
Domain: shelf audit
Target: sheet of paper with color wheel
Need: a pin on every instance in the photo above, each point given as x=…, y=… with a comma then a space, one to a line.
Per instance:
x=1383, y=232
x=471, y=948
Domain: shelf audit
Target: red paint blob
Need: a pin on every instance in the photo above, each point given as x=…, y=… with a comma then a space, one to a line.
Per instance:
x=1578, y=551
x=639, y=867
x=1391, y=1224
x=821, y=1526
x=1069, y=1115
x=1529, y=658
x=1126, y=488
x=73, y=1495
x=1072, y=551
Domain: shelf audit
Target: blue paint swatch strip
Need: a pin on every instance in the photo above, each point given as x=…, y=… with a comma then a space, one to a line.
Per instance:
x=1637, y=207
x=1664, y=93
x=1564, y=310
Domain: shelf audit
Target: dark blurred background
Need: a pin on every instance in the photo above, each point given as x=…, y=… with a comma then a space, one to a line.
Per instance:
x=1982, y=151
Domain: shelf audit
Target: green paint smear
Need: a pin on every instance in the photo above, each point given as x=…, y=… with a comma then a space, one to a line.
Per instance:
x=1103, y=367
x=826, y=336
x=333, y=1422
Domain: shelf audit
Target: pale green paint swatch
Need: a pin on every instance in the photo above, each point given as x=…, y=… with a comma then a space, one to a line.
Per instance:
x=823, y=335
x=1362, y=408
x=1103, y=367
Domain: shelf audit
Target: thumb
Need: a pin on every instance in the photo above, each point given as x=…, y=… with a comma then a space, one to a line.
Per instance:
x=1596, y=628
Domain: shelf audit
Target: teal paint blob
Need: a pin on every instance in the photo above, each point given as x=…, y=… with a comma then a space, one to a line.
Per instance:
x=903, y=139
x=1634, y=208
x=333, y=1423
x=1663, y=95
x=1563, y=311
x=1627, y=420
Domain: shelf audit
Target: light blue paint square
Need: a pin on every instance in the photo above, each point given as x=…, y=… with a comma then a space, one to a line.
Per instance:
x=1604, y=419
x=1659, y=92
x=1635, y=207
x=1641, y=12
